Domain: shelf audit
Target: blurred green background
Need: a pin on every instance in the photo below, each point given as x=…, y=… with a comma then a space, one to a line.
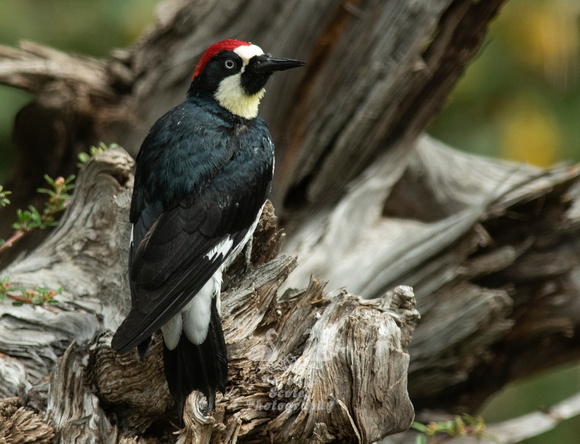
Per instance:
x=91, y=27
x=519, y=99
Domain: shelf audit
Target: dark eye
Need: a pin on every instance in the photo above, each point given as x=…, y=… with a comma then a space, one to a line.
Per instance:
x=229, y=64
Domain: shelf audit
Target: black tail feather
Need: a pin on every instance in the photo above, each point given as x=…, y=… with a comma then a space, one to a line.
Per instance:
x=201, y=367
x=143, y=347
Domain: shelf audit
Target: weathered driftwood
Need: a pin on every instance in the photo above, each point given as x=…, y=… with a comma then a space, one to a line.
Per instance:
x=491, y=248
x=377, y=71
x=18, y=424
x=476, y=275
x=88, y=260
x=309, y=365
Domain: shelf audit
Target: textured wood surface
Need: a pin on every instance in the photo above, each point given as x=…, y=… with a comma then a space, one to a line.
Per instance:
x=490, y=248
x=377, y=72
x=293, y=359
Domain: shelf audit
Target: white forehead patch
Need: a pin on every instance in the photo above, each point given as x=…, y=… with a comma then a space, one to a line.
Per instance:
x=247, y=52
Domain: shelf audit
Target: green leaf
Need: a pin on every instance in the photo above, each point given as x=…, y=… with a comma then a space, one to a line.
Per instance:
x=46, y=191
x=23, y=219
x=23, y=216
x=83, y=158
x=421, y=439
x=35, y=213
x=49, y=180
x=34, y=218
x=94, y=151
x=419, y=427
x=47, y=221
x=3, y=199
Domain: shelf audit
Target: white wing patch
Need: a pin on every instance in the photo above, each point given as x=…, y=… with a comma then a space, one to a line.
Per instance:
x=244, y=241
x=194, y=318
x=223, y=248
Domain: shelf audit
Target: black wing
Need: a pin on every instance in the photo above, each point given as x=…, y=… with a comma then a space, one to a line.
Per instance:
x=172, y=261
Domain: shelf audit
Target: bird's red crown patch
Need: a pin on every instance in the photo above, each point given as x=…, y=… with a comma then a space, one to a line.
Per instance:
x=224, y=45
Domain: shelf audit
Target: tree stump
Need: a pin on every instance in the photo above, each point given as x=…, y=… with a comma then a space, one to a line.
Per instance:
x=306, y=365
x=367, y=203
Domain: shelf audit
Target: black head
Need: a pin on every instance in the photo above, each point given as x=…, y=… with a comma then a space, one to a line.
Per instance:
x=235, y=73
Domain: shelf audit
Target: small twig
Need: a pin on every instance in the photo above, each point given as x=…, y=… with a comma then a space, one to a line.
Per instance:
x=19, y=298
x=21, y=232
x=525, y=426
x=38, y=296
x=58, y=200
x=444, y=431
x=18, y=234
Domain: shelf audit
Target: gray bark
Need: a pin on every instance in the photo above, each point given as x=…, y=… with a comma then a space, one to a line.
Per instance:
x=294, y=360
x=377, y=72
x=368, y=203
x=490, y=248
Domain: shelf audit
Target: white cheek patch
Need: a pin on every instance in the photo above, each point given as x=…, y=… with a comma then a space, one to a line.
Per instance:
x=232, y=97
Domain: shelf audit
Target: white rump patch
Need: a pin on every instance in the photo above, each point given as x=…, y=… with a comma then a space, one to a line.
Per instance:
x=193, y=319
x=172, y=331
x=197, y=314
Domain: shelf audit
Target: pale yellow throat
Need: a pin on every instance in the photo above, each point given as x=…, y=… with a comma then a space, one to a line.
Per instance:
x=231, y=96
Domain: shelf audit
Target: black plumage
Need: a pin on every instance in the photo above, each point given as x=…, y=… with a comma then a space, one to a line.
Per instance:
x=202, y=176
x=190, y=194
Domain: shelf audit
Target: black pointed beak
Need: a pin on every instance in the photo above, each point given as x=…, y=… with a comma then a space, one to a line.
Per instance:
x=261, y=67
x=267, y=64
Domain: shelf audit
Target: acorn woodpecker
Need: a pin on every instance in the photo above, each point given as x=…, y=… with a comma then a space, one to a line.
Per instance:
x=203, y=174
